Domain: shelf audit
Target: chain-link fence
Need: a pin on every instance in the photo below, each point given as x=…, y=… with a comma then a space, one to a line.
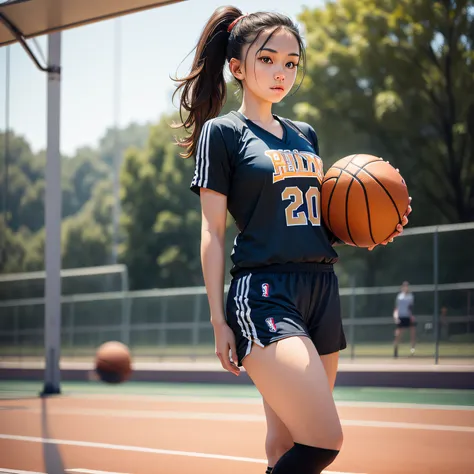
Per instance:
x=174, y=323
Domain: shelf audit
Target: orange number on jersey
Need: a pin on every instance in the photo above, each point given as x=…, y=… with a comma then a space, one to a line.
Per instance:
x=312, y=203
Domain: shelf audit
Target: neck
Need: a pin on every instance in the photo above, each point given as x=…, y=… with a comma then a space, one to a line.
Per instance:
x=255, y=109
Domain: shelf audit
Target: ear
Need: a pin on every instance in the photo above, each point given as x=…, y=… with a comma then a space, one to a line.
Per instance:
x=236, y=69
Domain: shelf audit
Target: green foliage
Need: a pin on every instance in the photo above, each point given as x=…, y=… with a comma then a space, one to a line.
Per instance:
x=395, y=78
x=87, y=201
x=12, y=249
x=161, y=217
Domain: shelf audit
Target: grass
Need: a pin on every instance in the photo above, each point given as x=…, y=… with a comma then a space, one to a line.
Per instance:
x=375, y=350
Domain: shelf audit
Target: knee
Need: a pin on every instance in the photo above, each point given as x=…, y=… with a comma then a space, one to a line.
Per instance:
x=330, y=437
x=276, y=445
x=335, y=438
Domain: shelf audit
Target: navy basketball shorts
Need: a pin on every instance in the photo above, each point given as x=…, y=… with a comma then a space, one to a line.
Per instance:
x=290, y=300
x=405, y=322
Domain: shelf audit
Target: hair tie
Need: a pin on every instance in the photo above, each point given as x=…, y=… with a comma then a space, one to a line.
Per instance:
x=231, y=26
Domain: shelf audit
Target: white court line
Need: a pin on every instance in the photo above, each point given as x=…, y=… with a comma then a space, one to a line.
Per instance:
x=90, y=471
x=407, y=426
x=137, y=449
x=258, y=401
x=4, y=470
x=180, y=415
x=78, y=470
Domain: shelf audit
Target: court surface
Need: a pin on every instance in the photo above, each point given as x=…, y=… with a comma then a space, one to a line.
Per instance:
x=178, y=428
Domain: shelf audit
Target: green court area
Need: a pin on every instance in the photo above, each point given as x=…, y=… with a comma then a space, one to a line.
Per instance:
x=23, y=389
x=423, y=349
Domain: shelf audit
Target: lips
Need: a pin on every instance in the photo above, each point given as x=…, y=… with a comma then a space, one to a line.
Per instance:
x=278, y=88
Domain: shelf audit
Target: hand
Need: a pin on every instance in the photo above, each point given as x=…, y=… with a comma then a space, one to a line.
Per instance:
x=398, y=230
x=225, y=347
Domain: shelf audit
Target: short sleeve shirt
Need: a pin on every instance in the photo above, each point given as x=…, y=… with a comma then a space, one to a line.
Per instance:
x=404, y=304
x=272, y=187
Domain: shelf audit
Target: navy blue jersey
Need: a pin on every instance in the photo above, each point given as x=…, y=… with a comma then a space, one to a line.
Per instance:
x=272, y=187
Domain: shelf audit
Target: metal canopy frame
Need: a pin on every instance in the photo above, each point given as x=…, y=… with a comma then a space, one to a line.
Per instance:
x=47, y=17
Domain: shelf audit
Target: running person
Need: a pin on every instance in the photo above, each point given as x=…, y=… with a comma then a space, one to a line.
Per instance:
x=282, y=318
x=403, y=316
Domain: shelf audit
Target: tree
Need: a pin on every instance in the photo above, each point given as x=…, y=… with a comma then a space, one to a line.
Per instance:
x=87, y=236
x=397, y=75
x=161, y=217
x=12, y=249
x=22, y=184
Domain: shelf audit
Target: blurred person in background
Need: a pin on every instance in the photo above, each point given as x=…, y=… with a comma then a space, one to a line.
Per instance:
x=403, y=316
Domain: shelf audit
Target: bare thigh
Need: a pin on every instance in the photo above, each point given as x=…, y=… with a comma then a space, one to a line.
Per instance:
x=275, y=426
x=292, y=380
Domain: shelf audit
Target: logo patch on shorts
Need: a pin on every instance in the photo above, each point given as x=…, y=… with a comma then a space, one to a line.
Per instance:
x=271, y=324
x=265, y=290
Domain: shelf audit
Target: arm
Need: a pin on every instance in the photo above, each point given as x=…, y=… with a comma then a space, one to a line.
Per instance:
x=395, y=310
x=214, y=215
x=412, y=318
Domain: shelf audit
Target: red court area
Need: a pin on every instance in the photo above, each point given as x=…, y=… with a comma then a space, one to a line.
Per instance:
x=165, y=435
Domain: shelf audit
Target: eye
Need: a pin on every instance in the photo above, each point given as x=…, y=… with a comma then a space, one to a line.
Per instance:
x=291, y=65
x=265, y=59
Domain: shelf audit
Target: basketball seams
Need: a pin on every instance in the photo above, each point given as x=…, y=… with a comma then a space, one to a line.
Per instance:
x=329, y=202
x=328, y=223
x=373, y=196
x=347, y=208
x=354, y=177
x=386, y=192
x=379, y=183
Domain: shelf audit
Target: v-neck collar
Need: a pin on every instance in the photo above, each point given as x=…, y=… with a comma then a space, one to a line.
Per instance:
x=248, y=121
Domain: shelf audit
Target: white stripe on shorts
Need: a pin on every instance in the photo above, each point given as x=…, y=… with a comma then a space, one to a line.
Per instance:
x=247, y=314
x=239, y=312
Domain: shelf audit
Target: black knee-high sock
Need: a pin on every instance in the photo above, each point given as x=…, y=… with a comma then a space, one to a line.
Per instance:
x=269, y=470
x=304, y=459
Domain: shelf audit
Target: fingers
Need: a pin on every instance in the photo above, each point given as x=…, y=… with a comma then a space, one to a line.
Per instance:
x=227, y=363
x=409, y=209
x=233, y=352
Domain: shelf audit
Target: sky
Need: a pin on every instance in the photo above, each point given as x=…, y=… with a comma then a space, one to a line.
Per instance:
x=152, y=46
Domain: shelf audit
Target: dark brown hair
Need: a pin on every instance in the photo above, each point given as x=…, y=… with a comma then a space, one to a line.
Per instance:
x=203, y=90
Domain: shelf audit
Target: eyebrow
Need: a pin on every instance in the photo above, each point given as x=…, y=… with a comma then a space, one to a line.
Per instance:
x=274, y=51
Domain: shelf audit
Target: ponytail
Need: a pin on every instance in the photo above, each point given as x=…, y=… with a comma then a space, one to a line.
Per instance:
x=203, y=91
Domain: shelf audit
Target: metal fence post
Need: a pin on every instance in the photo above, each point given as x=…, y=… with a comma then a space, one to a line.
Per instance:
x=16, y=327
x=195, y=327
x=162, y=340
x=125, y=318
x=71, y=327
x=435, y=282
x=352, y=317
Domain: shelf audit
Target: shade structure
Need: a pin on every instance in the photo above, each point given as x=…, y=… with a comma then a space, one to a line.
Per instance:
x=39, y=17
x=19, y=21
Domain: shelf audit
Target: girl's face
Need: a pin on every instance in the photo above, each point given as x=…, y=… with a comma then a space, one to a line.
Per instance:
x=270, y=69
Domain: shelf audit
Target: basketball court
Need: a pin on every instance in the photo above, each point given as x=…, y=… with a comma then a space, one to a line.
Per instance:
x=178, y=428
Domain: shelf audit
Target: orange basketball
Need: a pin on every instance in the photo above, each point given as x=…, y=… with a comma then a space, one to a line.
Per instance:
x=113, y=363
x=363, y=199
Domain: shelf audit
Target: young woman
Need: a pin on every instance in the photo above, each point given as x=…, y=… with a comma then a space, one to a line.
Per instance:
x=282, y=318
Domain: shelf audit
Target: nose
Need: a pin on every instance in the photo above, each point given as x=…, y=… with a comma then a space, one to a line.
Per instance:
x=279, y=76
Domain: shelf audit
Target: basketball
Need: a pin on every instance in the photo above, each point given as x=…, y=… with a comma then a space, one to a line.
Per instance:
x=113, y=363
x=363, y=198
